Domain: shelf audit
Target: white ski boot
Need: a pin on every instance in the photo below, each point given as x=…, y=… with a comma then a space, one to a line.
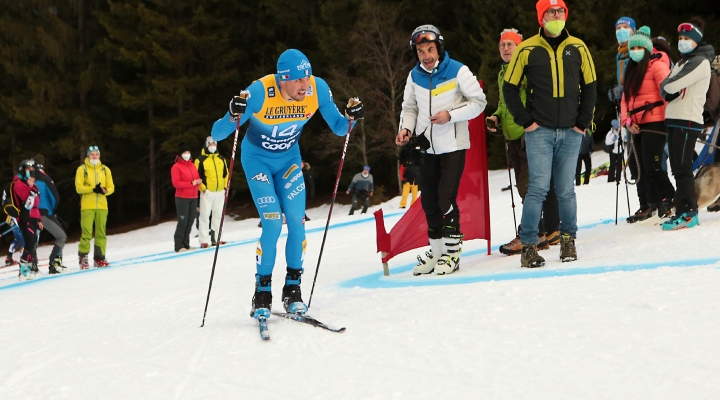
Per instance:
x=449, y=262
x=427, y=265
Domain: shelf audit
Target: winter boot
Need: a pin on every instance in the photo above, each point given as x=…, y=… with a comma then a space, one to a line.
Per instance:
x=553, y=238
x=291, y=295
x=452, y=247
x=568, y=252
x=685, y=220
x=56, y=266
x=427, y=265
x=641, y=215
x=84, y=264
x=262, y=299
x=9, y=260
x=512, y=248
x=543, y=243
x=101, y=263
x=529, y=257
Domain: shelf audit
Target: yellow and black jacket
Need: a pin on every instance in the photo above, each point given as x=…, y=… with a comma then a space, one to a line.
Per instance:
x=561, y=82
x=213, y=171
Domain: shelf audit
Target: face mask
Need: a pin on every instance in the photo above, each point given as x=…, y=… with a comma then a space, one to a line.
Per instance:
x=637, y=55
x=555, y=27
x=186, y=157
x=94, y=162
x=212, y=149
x=685, y=46
x=622, y=35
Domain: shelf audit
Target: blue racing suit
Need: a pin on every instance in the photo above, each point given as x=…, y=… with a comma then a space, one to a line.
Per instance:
x=270, y=156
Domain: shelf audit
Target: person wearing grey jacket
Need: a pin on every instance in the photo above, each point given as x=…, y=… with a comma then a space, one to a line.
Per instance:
x=362, y=187
x=684, y=90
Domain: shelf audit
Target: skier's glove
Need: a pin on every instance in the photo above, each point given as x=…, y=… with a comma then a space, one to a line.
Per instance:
x=238, y=104
x=671, y=96
x=354, y=109
x=98, y=189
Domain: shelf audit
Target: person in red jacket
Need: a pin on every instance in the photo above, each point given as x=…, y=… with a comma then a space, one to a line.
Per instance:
x=643, y=112
x=186, y=180
x=27, y=200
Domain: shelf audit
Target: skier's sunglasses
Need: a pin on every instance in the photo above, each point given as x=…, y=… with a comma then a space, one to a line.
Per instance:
x=423, y=37
x=93, y=148
x=685, y=27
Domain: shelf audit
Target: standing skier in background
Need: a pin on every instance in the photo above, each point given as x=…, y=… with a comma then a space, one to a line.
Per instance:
x=441, y=95
x=278, y=107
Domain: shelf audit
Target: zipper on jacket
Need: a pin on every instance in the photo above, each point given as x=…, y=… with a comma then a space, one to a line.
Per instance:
x=557, y=83
x=430, y=110
x=97, y=195
x=217, y=177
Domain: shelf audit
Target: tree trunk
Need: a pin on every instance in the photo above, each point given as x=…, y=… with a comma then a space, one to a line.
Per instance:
x=154, y=212
x=83, y=92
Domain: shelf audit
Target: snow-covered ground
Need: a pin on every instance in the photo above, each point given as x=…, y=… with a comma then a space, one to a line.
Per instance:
x=637, y=316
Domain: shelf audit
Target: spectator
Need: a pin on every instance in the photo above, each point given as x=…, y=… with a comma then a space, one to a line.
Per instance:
x=213, y=171
x=685, y=90
x=614, y=144
x=26, y=200
x=18, y=244
x=441, y=123
x=49, y=201
x=586, y=148
x=644, y=113
x=409, y=174
x=362, y=187
x=93, y=181
x=555, y=120
x=515, y=145
x=186, y=180
x=309, y=183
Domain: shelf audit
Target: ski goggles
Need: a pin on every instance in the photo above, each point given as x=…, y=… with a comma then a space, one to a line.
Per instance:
x=687, y=27
x=424, y=37
x=93, y=148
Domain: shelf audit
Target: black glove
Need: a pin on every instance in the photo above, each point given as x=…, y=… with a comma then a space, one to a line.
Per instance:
x=238, y=104
x=98, y=189
x=671, y=96
x=354, y=109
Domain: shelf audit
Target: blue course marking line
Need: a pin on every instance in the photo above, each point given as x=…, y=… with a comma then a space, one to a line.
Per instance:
x=173, y=255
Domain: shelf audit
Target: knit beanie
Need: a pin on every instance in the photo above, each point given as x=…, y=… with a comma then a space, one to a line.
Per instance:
x=641, y=38
x=91, y=149
x=696, y=34
x=292, y=64
x=511, y=34
x=626, y=20
x=209, y=140
x=543, y=5
x=183, y=147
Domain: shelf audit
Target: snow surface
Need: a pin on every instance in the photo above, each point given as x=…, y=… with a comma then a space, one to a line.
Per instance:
x=637, y=316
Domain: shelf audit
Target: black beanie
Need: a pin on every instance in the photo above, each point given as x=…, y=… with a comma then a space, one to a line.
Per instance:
x=183, y=147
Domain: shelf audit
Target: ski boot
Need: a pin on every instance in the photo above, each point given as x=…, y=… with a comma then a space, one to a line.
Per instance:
x=9, y=260
x=57, y=267
x=101, y=263
x=24, y=273
x=688, y=219
x=291, y=295
x=449, y=262
x=427, y=265
x=262, y=299
x=83, y=260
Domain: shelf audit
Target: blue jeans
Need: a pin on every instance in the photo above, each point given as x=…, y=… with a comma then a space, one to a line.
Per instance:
x=550, y=152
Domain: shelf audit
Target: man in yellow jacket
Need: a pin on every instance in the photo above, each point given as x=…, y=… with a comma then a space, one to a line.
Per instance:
x=213, y=171
x=93, y=181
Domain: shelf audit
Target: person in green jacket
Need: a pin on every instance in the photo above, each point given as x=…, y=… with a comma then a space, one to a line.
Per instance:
x=515, y=141
x=93, y=182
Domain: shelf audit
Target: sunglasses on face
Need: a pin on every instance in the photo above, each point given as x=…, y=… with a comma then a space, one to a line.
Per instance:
x=423, y=37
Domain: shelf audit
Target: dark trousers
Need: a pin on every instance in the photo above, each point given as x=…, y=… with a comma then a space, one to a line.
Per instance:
x=682, y=148
x=360, y=196
x=583, y=158
x=29, y=228
x=615, y=168
x=653, y=180
x=439, y=186
x=54, y=227
x=185, y=217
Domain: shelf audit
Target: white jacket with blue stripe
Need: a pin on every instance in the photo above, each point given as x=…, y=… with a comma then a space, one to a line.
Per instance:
x=454, y=89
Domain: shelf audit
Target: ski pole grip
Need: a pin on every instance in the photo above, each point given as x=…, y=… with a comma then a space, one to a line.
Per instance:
x=244, y=94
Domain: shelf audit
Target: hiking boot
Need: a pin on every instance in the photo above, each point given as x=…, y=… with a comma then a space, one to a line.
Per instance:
x=641, y=215
x=56, y=266
x=543, y=243
x=512, y=248
x=529, y=257
x=553, y=238
x=291, y=294
x=452, y=247
x=101, y=263
x=685, y=220
x=427, y=265
x=262, y=299
x=568, y=252
x=84, y=264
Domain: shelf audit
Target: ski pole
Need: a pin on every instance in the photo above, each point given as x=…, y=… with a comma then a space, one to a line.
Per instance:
x=332, y=203
x=243, y=94
x=512, y=197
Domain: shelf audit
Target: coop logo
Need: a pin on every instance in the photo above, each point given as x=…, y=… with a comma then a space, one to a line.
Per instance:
x=266, y=200
x=272, y=215
x=260, y=177
x=294, y=178
x=298, y=189
x=303, y=65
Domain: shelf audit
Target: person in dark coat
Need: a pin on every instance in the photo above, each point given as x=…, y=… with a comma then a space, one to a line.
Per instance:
x=586, y=148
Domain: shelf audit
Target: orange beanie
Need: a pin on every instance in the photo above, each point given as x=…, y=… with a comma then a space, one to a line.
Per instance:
x=511, y=34
x=543, y=5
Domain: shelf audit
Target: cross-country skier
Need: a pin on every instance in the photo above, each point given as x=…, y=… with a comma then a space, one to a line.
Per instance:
x=278, y=107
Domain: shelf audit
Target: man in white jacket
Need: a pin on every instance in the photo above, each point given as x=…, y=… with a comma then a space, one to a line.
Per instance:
x=441, y=95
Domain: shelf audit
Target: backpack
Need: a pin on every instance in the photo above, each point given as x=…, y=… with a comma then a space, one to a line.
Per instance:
x=8, y=201
x=712, y=98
